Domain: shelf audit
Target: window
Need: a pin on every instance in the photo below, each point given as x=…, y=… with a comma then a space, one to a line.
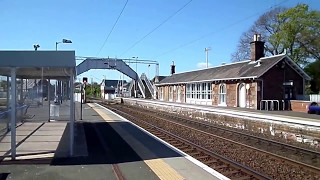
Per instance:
x=193, y=93
x=161, y=93
x=222, y=94
x=170, y=93
x=209, y=90
x=198, y=91
x=203, y=90
x=188, y=90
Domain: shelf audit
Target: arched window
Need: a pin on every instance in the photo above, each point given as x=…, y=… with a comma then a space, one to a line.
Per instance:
x=222, y=94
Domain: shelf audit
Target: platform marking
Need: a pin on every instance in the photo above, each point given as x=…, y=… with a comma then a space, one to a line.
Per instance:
x=162, y=169
x=101, y=113
x=158, y=166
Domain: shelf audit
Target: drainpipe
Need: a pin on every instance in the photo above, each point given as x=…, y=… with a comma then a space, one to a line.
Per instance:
x=261, y=90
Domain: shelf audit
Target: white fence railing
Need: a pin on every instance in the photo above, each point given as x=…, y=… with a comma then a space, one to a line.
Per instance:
x=310, y=97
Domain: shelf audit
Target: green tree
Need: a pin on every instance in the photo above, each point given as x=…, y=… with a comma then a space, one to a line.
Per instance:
x=313, y=69
x=266, y=25
x=299, y=33
x=295, y=30
x=93, y=90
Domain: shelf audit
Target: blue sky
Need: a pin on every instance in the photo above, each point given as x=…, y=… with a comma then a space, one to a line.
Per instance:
x=201, y=24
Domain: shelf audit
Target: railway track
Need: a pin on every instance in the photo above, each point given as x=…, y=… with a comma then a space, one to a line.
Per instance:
x=276, y=167
x=225, y=166
x=299, y=154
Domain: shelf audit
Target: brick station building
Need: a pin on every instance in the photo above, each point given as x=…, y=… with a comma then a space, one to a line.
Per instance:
x=241, y=84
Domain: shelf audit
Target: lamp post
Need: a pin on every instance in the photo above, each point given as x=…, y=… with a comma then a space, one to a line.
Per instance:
x=136, y=88
x=65, y=41
x=136, y=64
x=148, y=71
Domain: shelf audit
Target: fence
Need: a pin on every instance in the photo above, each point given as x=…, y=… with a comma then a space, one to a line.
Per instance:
x=311, y=97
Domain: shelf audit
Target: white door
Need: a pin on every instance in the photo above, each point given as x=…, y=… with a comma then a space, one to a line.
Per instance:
x=242, y=95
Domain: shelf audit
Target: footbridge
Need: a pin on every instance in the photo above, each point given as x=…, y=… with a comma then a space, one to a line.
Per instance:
x=121, y=66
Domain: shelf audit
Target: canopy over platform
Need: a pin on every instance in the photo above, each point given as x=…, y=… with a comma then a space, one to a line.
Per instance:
x=29, y=64
x=59, y=65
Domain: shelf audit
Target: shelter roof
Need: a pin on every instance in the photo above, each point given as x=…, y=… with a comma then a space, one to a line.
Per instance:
x=37, y=64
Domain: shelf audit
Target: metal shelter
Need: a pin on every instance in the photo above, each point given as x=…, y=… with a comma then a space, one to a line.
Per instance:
x=57, y=65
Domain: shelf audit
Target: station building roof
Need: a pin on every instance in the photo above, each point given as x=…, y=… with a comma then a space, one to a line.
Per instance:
x=37, y=64
x=240, y=70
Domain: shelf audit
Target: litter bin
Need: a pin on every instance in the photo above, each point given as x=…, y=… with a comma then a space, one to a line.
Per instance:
x=314, y=108
x=54, y=110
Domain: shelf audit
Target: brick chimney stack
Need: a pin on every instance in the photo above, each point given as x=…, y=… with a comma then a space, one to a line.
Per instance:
x=257, y=48
x=173, y=68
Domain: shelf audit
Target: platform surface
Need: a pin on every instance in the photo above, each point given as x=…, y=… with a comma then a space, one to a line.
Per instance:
x=103, y=142
x=283, y=116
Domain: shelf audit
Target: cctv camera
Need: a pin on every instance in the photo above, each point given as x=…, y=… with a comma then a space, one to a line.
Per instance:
x=36, y=46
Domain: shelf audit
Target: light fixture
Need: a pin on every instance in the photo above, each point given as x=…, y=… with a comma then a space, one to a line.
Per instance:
x=65, y=41
x=36, y=46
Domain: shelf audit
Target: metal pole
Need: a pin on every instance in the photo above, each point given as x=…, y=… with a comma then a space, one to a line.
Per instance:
x=42, y=85
x=8, y=103
x=61, y=91
x=136, y=86
x=48, y=96
x=8, y=93
x=13, y=113
x=136, y=65
x=81, y=94
x=207, y=51
x=55, y=90
x=26, y=86
x=157, y=69
x=148, y=71
x=207, y=58
x=21, y=91
x=57, y=46
x=91, y=86
x=21, y=101
x=71, y=115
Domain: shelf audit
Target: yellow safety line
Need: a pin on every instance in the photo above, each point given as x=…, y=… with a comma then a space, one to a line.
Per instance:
x=158, y=166
x=163, y=170
x=101, y=113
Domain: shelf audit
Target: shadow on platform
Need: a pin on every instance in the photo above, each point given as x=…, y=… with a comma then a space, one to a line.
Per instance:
x=3, y=176
x=105, y=146
x=98, y=143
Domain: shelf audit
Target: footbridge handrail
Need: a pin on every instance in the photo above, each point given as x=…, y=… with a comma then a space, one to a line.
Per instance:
x=148, y=83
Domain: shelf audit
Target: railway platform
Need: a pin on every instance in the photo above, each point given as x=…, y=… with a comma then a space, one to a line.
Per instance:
x=278, y=116
x=106, y=146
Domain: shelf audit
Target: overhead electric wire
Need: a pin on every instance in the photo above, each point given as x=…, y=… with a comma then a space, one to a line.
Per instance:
x=114, y=25
x=226, y=27
x=154, y=29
